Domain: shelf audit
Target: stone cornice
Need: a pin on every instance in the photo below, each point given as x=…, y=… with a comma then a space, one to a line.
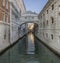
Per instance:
x=5, y=23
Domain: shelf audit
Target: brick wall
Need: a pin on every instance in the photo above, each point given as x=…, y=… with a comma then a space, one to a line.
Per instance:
x=4, y=10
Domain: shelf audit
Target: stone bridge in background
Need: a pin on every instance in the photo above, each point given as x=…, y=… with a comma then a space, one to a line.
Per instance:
x=29, y=17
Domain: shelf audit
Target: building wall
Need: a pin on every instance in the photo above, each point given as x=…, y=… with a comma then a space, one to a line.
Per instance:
x=22, y=6
x=49, y=31
x=10, y=12
x=4, y=10
x=15, y=14
x=4, y=24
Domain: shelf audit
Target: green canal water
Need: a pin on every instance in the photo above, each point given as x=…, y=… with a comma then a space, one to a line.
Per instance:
x=18, y=53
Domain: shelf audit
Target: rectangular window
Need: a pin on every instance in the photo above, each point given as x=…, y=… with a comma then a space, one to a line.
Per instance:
x=59, y=13
x=7, y=18
x=3, y=2
x=52, y=20
x=3, y=19
x=47, y=11
x=52, y=36
x=59, y=5
x=5, y=33
x=59, y=8
x=47, y=22
x=53, y=7
x=32, y=17
x=6, y=4
x=25, y=17
x=41, y=17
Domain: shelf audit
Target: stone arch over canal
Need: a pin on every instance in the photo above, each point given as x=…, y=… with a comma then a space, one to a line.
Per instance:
x=23, y=29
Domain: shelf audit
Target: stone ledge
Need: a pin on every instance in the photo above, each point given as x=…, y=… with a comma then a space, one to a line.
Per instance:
x=5, y=23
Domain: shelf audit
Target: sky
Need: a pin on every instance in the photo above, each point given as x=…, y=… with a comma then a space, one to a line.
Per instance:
x=35, y=5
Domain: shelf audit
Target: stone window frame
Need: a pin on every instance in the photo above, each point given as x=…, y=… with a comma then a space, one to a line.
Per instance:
x=47, y=22
x=25, y=17
x=4, y=34
x=32, y=17
x=3, y=17
x=7, y=18
x=7, y=4
x=43, y=24
x=47, y=11
x=52, y=19
x=59, y=10
x=52, y=6
x=59, y=5
x=59, y=13
x=52, y=37
x=3, y=2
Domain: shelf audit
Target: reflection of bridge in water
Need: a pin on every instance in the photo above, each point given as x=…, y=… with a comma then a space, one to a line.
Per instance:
x=31, y=44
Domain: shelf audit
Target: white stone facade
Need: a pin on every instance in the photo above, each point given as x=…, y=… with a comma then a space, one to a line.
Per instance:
x=4, y=35
x=22, y=6
x=14, y=19
x=29, y=16
x=49, y=31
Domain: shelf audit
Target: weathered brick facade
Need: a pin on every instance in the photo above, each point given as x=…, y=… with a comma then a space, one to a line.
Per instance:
x=4, y=10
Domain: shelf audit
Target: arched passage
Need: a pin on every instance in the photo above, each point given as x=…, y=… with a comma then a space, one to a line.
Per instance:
x=26, y=27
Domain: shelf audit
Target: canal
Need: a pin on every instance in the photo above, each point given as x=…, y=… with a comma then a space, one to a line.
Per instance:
x=29, y=50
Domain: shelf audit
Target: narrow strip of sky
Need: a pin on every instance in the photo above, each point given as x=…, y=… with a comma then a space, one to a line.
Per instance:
x=35, y=5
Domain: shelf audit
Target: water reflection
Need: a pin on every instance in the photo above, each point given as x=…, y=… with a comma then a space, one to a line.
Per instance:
x=31, y=45
x=17, y=54
x=31, y=37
